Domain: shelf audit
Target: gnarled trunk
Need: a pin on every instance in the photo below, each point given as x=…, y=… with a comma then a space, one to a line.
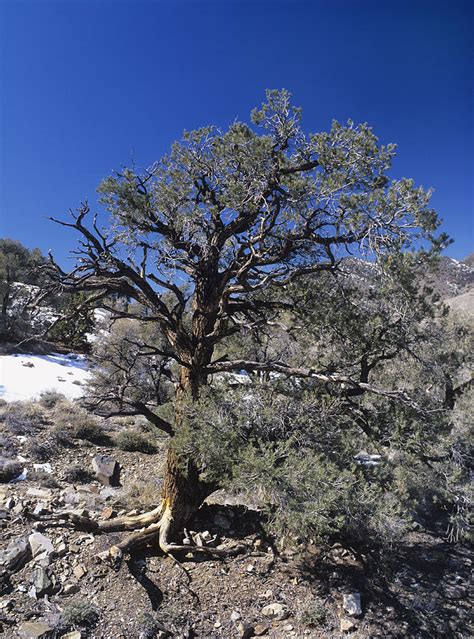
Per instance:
x=183, y=489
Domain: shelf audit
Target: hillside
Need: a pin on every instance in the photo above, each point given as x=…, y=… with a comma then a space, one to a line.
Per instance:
x=54, y=470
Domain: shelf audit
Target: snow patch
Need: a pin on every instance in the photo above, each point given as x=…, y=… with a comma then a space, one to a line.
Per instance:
x=26, y=377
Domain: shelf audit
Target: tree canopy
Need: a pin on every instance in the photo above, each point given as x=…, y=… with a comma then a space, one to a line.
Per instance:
x=230, y=255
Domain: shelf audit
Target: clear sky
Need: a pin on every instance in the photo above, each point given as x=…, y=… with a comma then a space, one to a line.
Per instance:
x=86, y=86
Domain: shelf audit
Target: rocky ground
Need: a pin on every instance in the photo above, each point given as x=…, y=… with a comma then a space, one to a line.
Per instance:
x=54, y=586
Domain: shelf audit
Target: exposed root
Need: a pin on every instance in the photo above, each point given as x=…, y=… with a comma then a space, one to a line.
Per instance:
x=160, y=531
x=132, y=522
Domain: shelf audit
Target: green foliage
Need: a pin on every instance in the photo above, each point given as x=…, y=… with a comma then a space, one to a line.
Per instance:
x=134, y=441
x=19, y=273
x=313, y=615
x=81, y=614
x=234, y=252
x=73, y=331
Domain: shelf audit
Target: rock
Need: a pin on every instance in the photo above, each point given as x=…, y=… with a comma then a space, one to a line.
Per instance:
x=79, y=571
x=72, y=635
x=235, y=615
x=108, y=513
x=40, y=509
x=35, y=630
x=347, y=625
x=107, y=470
x=40, y=545
x=245, y=630
x=46, y=467
x=41, y=581
x=6, y=605
x=204, y=539
x=39, y=493
x=260, y=629
x=455, y=592
x=276, y=611
x=9, y=469
x=70, y=589
x=28, y=364
x=351, y=604
x=15, y=556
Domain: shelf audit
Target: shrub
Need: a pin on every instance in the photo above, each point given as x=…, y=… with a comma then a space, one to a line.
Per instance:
x=41, y=451
x=8, y=446
x=63, y=437
x=134, y=441
x=92, y=431
x=149, y=625
x=49, y=399
x=22, y=418
x=313, y=615
x=78, y=475
x=75, y=422
x=80, y=613
x=44, y=479
x=145, y=494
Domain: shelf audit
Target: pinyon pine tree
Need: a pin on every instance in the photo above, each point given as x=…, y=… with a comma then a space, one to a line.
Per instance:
x=208, y=244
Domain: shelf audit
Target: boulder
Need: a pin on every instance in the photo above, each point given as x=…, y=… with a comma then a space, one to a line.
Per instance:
x=41, y=546
x=15, y=556
x=41, y=581
x=107, y=470
x=9, y=469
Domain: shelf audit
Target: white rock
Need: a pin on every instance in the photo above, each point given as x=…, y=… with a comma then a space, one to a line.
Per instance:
x=351, y=604
x=40, y=544
x=275, y=610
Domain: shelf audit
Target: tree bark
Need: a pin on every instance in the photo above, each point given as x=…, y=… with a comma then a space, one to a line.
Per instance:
x=183, y=489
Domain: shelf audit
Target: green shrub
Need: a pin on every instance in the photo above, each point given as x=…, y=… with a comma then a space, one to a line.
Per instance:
x=134, y=441
x=313, y=615
x=80, y=613
x=92, y=431
x=149, y=625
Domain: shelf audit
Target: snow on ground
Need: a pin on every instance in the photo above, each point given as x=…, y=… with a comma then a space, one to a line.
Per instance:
x=24, y=377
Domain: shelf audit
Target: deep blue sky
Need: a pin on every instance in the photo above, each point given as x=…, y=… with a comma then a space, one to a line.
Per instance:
x=87, y=85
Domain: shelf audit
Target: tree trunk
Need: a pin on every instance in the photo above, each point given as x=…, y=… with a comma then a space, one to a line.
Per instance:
x=5, y=303
x=183, y=490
